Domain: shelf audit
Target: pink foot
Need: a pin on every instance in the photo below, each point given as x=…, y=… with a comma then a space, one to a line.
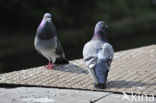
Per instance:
x=50, y=65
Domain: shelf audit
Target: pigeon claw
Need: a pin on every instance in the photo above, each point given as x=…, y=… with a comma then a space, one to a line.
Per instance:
x=50, y=66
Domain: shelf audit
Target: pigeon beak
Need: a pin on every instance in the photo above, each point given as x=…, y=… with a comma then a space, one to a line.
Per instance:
x=48, y=20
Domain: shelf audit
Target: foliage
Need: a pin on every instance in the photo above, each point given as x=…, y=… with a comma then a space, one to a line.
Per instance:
x=131, y=24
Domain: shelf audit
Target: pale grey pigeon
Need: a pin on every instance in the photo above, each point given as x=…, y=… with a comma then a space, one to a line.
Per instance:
x=46, y=42
x=98, y=55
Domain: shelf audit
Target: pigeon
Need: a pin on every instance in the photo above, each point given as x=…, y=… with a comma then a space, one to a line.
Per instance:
x=98, y=55
x=46, y=42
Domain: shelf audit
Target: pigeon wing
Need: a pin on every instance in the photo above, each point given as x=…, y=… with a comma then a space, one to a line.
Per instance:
x=60, y=53
x=89, y=55
x=108, y=51
x=59, y=50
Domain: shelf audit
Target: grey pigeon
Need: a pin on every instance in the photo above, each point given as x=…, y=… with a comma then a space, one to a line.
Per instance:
x=98, y=55
x=46, y=42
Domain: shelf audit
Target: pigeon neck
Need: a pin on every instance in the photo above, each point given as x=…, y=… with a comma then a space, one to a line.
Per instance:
x=99, y=36
x=46, y=30
x=96, y=35
x=42, y=23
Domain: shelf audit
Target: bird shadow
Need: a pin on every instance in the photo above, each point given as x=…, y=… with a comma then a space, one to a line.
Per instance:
x=70, y=68
x=110, y=84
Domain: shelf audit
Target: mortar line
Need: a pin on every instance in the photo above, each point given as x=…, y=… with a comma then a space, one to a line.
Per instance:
x=93, y=101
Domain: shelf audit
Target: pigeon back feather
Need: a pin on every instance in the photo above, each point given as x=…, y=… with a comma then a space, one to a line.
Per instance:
x=90, y=52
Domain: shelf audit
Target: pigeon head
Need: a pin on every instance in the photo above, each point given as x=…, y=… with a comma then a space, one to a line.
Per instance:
x=46, y=20
x=47, y=15
x=46, y=29
x=99, y=31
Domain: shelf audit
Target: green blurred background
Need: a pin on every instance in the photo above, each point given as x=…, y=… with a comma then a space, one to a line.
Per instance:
x=132, y=23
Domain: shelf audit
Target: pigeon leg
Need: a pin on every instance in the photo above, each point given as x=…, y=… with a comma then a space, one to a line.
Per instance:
x=50, y=65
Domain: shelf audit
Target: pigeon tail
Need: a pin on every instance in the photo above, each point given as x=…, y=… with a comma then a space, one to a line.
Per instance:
x=101, y=72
